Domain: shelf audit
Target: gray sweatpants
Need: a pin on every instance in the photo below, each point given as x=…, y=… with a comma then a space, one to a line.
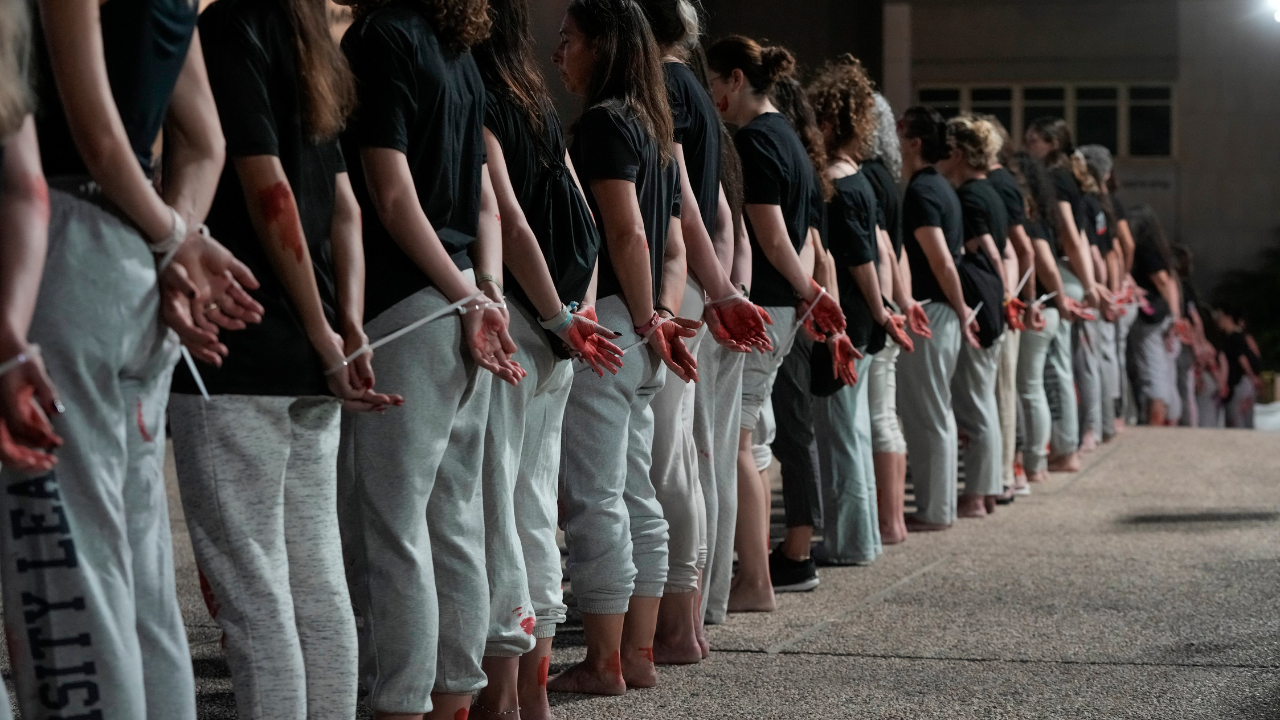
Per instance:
x=1032, y=391
x=1007, y=402
x=521, y=461
x=258, y=476
x=717, y=408
x=928, y=423
x=1059, y=376
x=1087, y=369
x=973, y=395
x=1153, y=369
x=1110, y=369
x=91, y=611
x=674, y=471
x=761, y=368
x=412, y=514
x=1128, y=410
x=1240, y=406
x=614, y=527
x=842, y=424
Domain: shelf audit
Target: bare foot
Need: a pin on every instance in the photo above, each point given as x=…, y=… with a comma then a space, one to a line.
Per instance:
x=892, y=534
x=1065, y=463
x=1089, y=442
x=914, y=525
x=1119, y=425
x=638, y=670
x=1038, y=477
x=751, y=598
x=478, y=712
x=591, y=679
x=972, y=506
x=675, y=641
x=699, y=630
x=682, y=651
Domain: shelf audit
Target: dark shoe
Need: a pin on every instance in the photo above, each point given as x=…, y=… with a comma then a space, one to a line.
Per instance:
x=792, y=575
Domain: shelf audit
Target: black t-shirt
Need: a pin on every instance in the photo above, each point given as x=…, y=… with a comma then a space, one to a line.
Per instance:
x=776, y=171
x=697, y=129
x=851, y=237
x=930, y=202
x=144, y=43
x=249, y=52
x=1118, y=207
x=1067, y=190
x=1096, y=227
x=428, y=103
x=1147, y=261
x=1007, y=187
x=1233, y=347
x=888, y=200
x=609, y=143
x=984, y=212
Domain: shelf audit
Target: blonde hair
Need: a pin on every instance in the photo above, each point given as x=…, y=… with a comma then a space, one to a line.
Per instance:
x=15, y=93
x=977, y=140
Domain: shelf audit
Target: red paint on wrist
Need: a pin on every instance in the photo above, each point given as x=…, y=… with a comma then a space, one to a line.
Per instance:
x=280, y=210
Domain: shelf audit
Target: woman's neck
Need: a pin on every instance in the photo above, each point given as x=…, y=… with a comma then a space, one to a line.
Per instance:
x=912, y=164
x=753, y=106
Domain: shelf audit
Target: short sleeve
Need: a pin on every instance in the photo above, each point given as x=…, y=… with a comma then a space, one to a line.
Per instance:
x=381, y=60
x=1147, y=260
x=603, y=149
x=762, y=175
x=923, y=207
x=977, y=218
x=677, y=197
x=852, y=234
x=238, y=67
x=679, y=109
x=339, y=160
x=1065, y=188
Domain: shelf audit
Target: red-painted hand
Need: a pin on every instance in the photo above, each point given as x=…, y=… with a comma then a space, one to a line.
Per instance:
x=826, y=317
x=737, y=324
x=843, y=353
x=1013, y=311
x=485, y=332
x=589, y=341
x=26, y=436
x=895, y=329
x=666, y=341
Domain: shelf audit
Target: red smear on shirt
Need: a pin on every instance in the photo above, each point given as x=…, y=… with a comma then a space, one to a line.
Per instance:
x=279, y=209
x=461, y=714
x=647, y=653
x=544, y=669
x=142, y=425
x=614, y=663
x=527, y=625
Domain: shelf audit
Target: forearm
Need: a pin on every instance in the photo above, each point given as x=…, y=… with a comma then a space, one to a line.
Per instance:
x=1075, y=247
x=722, y=236
x=1099, y=266
x=24, y=226
x=1026, y=259
x=1124, y=238
x=868, y=281
x=673, y=270
x=775, y=243
x=194, y=148
x=486, y=251
x=1046, y=268
x=902, y=293
x=997, y=261
x=1114, y=276
x=1011, y=274
x=346, y=237
x=741, y=275
x=702, y=258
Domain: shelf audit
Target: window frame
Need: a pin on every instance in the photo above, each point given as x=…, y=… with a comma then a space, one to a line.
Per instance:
x=1018, y=108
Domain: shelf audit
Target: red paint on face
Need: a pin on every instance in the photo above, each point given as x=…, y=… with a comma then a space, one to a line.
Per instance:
x=142, y=424
x=647, y=653
x=279, y=209
x=461, y=714
x=544, y=669
x=527, y=625
x=723, y=105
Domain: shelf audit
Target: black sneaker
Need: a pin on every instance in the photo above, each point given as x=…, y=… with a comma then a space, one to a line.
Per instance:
x=792, y=575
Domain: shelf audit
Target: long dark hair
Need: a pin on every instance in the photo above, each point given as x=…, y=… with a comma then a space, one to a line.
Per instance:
x=1037, y=190
x=1146, y=228
x=926, y=124
x=761, y=66
x=673, y=22
x=730, y=162
x=628, y=64
x=507, y=63
x=789, y=97
x=1055, y=130
x=15, y=48
x=458, y=24
x=328, y=87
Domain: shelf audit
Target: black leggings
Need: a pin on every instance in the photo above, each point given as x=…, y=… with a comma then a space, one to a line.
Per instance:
x=794, y=445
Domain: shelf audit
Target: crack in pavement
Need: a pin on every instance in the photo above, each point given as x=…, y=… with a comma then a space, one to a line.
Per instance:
x=869, y=600
x=1015, y=661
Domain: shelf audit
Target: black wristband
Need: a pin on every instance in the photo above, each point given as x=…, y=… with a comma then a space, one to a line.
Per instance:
x=660, y=308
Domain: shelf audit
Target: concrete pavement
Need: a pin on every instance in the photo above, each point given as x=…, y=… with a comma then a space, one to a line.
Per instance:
x=1145, y=586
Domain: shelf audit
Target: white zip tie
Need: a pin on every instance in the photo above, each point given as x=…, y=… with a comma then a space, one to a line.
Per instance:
x=974, y=312
x=795, y=330
x=191, y=365
x=1025, y=277
x=22, y=358
x=1044, y=299
x=370, y=347
x=643, y=339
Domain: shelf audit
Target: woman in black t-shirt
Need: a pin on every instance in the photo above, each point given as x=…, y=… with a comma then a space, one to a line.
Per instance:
x=974, y=146
x=614, y=526
x=1239, y=392
x=257, y=460
x=550, y=256
x=778, y=186
x=844, y=105
x=733, y=321
x=1151, y=368
x=412, y=476
x=933, y=235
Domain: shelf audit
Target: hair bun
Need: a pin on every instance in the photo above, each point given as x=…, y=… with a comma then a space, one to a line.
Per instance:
x=777, y=62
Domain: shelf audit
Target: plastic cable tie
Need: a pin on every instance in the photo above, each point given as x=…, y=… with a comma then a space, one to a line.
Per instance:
x=1025, y=277
x=370, y=347
x=21, y=358
x=1044, y=299
x=195, y=372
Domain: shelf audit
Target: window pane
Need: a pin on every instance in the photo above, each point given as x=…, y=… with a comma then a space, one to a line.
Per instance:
x=1150, y=131
x=1035, y=112
x=941, y=96
x=1032, y=94
x=999, y=95
x=1097, y=93
x=1149, y=93
x=1097, y=125
x=1003, y=113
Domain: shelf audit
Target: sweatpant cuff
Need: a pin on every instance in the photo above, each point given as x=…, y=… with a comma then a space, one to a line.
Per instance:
x=544, y=630
x=603, y=607
x=648, y=589
x=670, y=589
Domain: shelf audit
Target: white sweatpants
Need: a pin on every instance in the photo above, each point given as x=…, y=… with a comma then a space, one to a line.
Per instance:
x=973, y=394
x=928, y=423
x=717, y=408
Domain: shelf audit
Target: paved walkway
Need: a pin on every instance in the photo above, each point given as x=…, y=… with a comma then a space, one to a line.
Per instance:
x=1145, y=586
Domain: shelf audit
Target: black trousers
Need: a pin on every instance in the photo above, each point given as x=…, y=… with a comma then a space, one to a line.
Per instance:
x=794, y=445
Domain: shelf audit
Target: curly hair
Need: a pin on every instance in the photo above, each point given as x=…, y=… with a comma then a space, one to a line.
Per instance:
x=843, y=95
x=789, y=97
x=15, y=93
x=976, y=139
x=459, y=24
x=761, y=66
x=884, y=142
